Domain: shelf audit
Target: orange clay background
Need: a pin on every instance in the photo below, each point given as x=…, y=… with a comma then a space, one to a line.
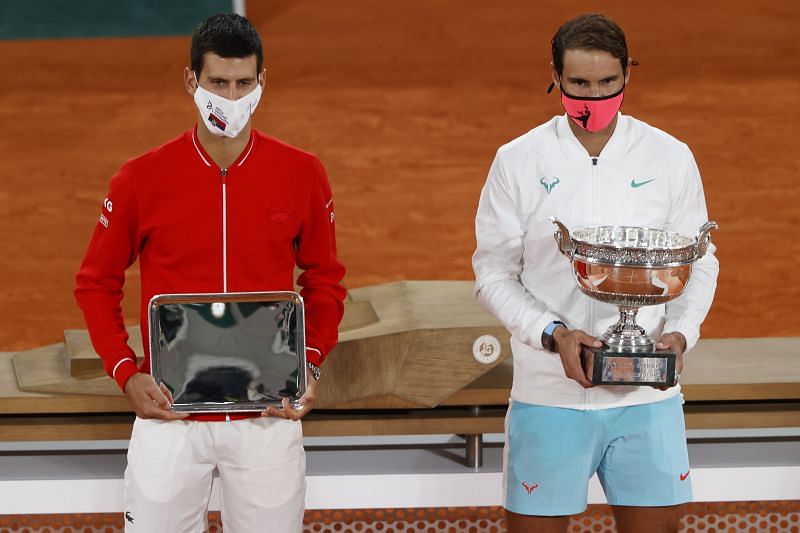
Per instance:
x=406, y=102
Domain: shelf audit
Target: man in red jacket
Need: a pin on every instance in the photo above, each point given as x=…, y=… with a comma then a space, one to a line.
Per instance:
x=221, y=208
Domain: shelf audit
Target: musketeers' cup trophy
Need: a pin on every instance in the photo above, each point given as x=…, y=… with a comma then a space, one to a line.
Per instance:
x=631, y=267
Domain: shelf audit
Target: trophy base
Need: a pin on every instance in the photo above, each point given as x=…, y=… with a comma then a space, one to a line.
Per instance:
x=655, y=369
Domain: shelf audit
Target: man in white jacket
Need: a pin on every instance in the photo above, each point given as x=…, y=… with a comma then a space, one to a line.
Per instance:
x=591, y=166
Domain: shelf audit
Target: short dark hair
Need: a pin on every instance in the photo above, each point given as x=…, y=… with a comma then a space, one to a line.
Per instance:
x=591, y=31
x=227, y=35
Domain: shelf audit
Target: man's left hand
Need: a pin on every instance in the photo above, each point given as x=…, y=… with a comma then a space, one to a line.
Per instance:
x=306, y=403
x=676, y=342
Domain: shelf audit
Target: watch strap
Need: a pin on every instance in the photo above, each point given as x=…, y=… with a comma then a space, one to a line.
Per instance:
x=315, y=371
x=551, y=327
x=548, y=342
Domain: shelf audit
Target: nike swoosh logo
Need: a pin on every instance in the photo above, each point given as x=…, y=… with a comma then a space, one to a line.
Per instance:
x=684, y=476
x=636, y=184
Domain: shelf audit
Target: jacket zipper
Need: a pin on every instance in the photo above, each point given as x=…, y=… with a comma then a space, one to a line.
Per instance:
x=224, y=173
x=591, y=318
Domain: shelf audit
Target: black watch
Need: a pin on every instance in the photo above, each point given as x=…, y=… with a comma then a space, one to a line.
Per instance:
x=548, y=341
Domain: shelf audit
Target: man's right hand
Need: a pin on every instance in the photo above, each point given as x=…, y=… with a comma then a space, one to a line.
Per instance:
x=148, y=399
x=570, y=343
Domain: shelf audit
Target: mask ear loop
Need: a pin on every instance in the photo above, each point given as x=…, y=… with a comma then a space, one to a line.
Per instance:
x=553, y=84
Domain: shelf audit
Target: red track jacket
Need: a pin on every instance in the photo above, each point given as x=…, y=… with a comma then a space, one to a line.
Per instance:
x=198, y=228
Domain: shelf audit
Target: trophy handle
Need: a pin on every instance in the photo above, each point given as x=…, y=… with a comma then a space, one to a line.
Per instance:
x=704, y=238
x=563, y=239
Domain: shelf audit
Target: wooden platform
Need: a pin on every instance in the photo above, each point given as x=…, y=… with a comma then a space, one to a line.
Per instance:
x=727, y=383
x=405, y=344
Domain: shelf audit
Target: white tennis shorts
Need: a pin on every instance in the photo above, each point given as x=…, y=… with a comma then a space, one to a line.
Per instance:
x=261, y=465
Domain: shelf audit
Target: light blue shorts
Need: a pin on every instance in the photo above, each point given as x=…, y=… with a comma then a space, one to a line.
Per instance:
x=639, y=454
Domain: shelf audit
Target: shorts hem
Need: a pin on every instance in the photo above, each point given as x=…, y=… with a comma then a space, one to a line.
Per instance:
x=678, y=501
x=548, y=512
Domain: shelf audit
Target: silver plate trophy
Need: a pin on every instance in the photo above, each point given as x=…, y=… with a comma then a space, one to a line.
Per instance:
x=228, y=352
x=631, y=267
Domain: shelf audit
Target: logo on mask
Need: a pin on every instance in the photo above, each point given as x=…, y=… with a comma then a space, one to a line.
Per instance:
x=549, y=183
x=217, y=122
x=584, y=116
x=208, y=105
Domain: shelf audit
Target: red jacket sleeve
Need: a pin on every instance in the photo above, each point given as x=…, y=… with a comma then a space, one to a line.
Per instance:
x=322, y=290
x=112, y=249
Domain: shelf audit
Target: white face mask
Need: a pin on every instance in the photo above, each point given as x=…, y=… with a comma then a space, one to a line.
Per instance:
x=225, y=117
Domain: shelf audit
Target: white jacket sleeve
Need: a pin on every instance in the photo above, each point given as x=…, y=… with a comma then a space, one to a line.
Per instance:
x=497, y=261
x=687, y=312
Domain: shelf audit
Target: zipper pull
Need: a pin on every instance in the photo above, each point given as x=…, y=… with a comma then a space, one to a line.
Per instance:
x=223, y=172
x=594, y=161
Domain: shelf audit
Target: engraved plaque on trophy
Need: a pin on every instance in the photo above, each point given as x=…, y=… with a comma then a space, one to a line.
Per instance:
x=631, y=267
x=228, y=352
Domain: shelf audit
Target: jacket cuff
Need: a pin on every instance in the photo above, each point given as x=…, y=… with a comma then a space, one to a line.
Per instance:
x=535, y=339
x=690, y=333
x=314, y=356
x=123, y=371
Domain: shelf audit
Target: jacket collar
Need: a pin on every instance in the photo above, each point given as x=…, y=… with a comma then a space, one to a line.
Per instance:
x=615, y=148
x=198, y=149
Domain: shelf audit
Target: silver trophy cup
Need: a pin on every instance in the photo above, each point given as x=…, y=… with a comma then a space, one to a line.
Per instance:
x=631, y=267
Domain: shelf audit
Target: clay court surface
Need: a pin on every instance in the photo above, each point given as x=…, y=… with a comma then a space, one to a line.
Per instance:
x=406, y=102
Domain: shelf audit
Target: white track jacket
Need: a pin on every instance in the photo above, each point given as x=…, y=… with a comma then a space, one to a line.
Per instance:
x=643, y=177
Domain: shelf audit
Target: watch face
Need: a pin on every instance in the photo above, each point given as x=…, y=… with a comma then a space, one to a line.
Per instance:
x=551, y=342
x=548, y=342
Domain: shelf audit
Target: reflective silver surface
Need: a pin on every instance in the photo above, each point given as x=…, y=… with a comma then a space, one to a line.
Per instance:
x=228, y=352
x=630, y=267
x=630, y=286
x=623, y=369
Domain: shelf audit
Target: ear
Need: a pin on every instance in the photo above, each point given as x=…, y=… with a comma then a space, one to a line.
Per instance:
x=631, y=63
x=189, y=81
x=555, y=76
x=262, y=78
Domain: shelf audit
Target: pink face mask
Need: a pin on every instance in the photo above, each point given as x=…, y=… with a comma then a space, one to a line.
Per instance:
x=592, y=113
